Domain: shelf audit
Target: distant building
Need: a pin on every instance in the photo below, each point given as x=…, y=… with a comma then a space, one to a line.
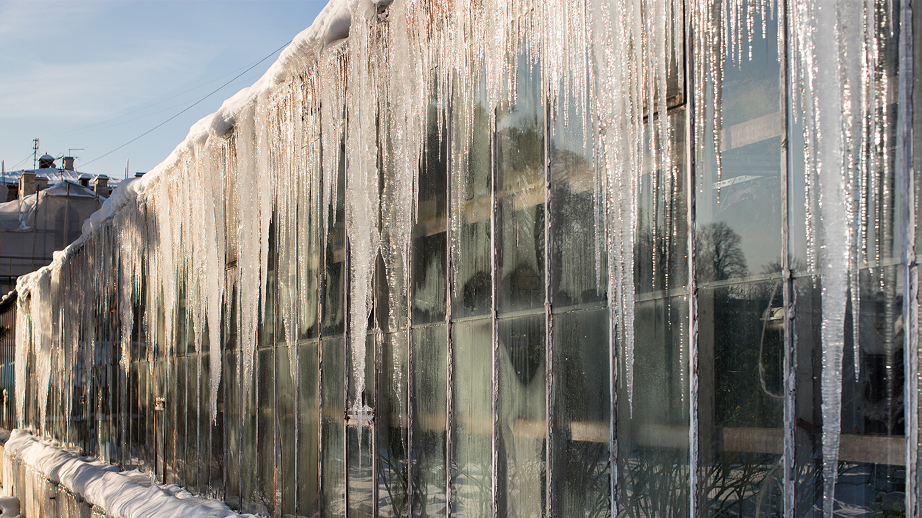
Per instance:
x=40, y=214
x=46, y=162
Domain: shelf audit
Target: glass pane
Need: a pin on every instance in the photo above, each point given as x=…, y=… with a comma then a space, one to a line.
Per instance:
x=653, y=423
x=248, y=458
x=333, y=304
x=870, y=472
x=308, y=430
x=142, y=429
x=577, y=275
x=359, y=438
x=391, y=423
x=170, y=425
x=430, y=386
x=472, y=213
x=204, y=424
x=738, y=247
x=232, y=430
x=134, y=409
x=333, y=427
x=286, y=408
x=581, y=482
x=430, y=280
x=217, y=458
x=520, y=178
x=522, y=435
x=181, y=410
x=309, y=226
x=192, y=455
x=471, y=460
x=264, y=497
x=232, y=407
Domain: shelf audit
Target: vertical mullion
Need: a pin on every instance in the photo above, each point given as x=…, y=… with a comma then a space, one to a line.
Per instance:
x=905, y=171
x=789, y=367
x=412, y=460
x=548, y=316
x=494, y=347
x=277, y=450
x=692, y=277
x=347, y=349
x=321, y=283
x=449, y=271
x=296, y=300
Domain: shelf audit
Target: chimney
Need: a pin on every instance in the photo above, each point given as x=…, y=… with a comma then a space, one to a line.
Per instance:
x=85, y=180
x=68, y=163
x=40, y=183
x=102, y=185
x=27, y=185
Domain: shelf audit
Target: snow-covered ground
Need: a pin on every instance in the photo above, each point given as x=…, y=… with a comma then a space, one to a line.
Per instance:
x=121, y=494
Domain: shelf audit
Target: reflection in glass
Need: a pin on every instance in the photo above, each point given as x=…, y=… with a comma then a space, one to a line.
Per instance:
x=653, y=428
x=472, y=213
x=520, y=178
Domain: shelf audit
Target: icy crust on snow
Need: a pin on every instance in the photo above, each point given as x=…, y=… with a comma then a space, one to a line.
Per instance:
x=121, y=494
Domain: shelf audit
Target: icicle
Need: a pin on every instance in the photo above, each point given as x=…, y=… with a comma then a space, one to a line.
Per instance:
x=248, y=239
x=362, y=200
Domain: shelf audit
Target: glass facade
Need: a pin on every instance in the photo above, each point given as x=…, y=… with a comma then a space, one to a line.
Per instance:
x=530, y=349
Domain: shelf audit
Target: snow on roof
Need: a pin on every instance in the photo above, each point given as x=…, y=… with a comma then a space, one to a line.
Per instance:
x=121, y=494
x=55, y=175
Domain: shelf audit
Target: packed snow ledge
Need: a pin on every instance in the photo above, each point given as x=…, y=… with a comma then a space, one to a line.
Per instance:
x=120, y=494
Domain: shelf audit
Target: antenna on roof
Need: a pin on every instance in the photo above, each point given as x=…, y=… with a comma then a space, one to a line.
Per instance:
x=34, y=154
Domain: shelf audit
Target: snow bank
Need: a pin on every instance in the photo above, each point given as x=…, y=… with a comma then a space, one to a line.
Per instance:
x=121, y=494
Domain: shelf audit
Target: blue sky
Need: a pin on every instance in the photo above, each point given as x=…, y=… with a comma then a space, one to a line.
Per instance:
x=96, y=74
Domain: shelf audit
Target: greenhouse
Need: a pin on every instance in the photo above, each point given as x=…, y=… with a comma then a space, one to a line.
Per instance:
x=506, y=258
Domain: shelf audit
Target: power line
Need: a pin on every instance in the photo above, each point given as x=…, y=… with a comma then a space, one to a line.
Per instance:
x=98, y=127
x=21, y=161
x=216, y=90
x=142, y=108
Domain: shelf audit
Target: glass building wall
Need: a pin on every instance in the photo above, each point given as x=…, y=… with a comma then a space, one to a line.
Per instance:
x=497, y=377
